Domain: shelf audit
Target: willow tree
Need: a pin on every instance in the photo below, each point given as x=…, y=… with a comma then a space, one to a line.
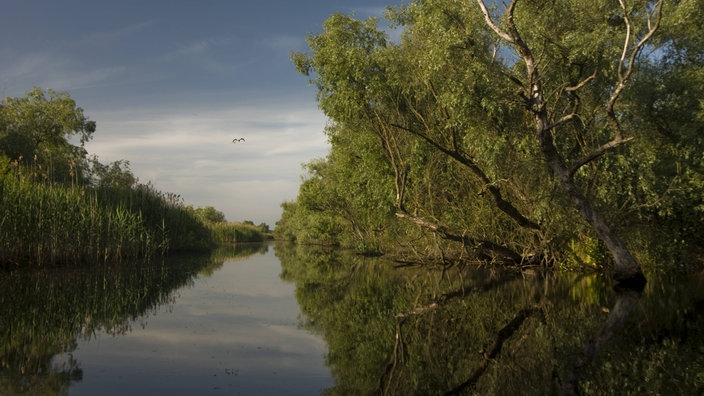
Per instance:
x=497, y=123
x=549, y=116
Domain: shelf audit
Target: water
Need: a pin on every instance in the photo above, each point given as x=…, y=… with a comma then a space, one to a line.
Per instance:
x=233, y=329
x=432, y=330
x=286, y=320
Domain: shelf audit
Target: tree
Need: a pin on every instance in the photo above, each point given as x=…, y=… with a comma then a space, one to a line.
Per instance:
x=374, y=88
x=263, y=228
x=549, y=116
x=209, y=214
x=38, y=127
x=499, y=127
x=114, y=175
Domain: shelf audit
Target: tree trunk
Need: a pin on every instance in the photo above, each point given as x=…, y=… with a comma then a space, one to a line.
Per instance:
x=625, y=265
x=626, y=269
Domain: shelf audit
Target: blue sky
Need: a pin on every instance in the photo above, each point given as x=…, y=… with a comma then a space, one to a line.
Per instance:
x=171, y=83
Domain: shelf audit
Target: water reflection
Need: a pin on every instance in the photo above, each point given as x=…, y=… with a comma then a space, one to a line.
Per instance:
x=229, y=323
x=194, y=325
x=420, y=331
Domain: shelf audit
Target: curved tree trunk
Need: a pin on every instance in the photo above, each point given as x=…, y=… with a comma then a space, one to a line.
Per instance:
x=626, y=267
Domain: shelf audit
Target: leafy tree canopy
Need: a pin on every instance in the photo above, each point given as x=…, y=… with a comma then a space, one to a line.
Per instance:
x=529, y=131
x=38, y=127
x=209, y=214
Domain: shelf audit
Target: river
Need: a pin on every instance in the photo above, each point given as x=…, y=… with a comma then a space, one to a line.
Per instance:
x=287, y=320
x=229, y=328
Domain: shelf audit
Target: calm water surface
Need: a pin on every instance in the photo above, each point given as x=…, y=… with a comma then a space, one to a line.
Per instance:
x=233, y=329
x=287, y=320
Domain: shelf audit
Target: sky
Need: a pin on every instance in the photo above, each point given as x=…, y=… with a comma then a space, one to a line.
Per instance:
x=170, y=83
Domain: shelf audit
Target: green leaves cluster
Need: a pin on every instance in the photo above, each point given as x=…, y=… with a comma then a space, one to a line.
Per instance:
x=435, y=131
x=37, y=129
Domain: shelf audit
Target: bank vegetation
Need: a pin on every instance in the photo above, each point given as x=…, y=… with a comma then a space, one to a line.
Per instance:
x=61, y=206
x=566, y=133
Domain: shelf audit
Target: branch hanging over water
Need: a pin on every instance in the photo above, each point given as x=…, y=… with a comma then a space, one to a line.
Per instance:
x=482, y=246
x=505, y=206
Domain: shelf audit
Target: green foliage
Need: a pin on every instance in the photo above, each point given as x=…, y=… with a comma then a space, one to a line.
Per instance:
x=227, y=233
x=209, y=214
x=116, y=175
x=51, y=224
x=36, y=129
x=439, y=126
x=46, y=223
x=287, y=226
x=176, y=226
x=57, y=206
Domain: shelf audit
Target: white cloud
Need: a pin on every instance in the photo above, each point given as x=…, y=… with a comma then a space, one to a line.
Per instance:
x=170, y=102
x=70, y=79
x=26, y=65
x=66, y=64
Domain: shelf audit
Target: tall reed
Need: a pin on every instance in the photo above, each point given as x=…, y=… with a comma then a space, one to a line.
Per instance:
x=43, y=223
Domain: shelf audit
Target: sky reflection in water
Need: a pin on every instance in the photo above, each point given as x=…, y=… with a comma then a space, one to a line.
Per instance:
x=235, y=332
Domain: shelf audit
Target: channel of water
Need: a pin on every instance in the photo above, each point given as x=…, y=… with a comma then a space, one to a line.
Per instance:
x=290, y=320
x=230, y=329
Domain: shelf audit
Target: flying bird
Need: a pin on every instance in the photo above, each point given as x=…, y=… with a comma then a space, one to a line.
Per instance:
x=235, y=140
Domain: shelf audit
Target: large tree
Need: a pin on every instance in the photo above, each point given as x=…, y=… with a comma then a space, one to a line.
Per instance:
x=38, y=129
x=552, y=111
x=500, y=127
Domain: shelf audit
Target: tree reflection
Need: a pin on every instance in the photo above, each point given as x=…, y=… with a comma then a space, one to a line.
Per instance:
x=626, y=302
x=450, y=330
x=43, y=313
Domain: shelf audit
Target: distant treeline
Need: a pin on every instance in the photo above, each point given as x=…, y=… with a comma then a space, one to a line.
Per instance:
x=59, y=206
x=226, y=233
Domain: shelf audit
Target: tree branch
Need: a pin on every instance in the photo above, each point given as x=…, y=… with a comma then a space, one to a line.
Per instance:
x=624, y=75
x=581, y=84
x=619, y=141
x=491, y=23
x=418, y=311
x=562, y=120
x=503, y=335
x=478, y=244
x=501, y=203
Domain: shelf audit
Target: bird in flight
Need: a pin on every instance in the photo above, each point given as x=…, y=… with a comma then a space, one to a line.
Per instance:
x=235, y=140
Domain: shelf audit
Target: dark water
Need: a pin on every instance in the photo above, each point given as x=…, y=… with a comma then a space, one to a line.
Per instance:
x=409, y=330
x=285, y=320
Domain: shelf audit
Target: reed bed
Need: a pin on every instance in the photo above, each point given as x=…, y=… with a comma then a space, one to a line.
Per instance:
x=46, y=224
